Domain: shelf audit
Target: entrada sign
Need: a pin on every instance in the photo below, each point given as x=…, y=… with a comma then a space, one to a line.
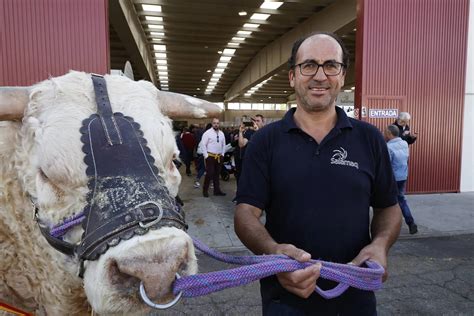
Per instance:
x=383, y=113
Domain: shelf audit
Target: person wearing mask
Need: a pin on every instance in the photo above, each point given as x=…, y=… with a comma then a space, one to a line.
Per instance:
x=213, y=149
x=317, y=173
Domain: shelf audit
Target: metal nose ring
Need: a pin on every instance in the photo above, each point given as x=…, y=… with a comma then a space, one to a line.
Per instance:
x=147, y=300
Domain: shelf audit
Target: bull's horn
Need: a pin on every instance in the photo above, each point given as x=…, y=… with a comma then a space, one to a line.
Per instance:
x=13, y=101
x=176, y=105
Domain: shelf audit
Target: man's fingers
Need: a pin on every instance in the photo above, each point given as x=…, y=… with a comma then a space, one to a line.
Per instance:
x=295, y=253
x=301, y=282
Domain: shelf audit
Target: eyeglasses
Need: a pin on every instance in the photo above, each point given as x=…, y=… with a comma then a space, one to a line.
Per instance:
x=330, y=68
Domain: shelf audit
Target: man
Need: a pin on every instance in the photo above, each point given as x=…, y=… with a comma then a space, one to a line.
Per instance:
x=316, y=173
x=404, y=129
x=245, y=133
x=213, y=149
x=399, y=153
x=189, y=143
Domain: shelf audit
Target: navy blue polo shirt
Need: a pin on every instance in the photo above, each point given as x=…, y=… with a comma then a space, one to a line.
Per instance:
x=317, y=196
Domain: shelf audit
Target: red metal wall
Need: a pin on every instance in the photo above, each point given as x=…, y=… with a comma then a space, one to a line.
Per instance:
x=413, y=58
x=42, y=38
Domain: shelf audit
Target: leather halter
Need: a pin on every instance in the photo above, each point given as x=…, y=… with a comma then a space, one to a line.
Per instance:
x=127, y=196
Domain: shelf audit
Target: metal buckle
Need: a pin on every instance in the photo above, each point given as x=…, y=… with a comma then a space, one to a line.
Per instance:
x=153, y=222
x=159, y=306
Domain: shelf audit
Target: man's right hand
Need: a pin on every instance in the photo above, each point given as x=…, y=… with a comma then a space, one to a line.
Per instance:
x=242, y=127
x=300, y=282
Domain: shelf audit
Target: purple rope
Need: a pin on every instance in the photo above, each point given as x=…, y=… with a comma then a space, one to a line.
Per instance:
x=257, y=267
x=61, y=229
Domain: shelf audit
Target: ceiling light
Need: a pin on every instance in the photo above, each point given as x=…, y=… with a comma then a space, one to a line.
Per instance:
x=217, y=75
x=236, y=38
x=233, y=44
x=160, y=55
x=251, y=25
x=353, y=88
x=161, y=62
x=247, y=94
x=271, y=5
x=213, y=80
x=218, y=71
x=155, y=26
x=154, y=18
x=348, y=90
x=229, y=51
x=209, y=70
x=219, y=51
x=159, y=47
x=259, y=16
x=354, y=30
x=194, y=95
x=285, y=91
x=157, y=33
x=225, y=59
x=154, y=8
x=269, y=97
x=198, y=88
x=163, y=67
x=164, y=81
x=203, y=80
x=163, y=73
x=242, y=13
x=244, y=32
x=222, y=65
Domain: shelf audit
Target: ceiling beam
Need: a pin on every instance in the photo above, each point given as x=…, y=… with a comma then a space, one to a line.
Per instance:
x=127, y=25
x=272, y=58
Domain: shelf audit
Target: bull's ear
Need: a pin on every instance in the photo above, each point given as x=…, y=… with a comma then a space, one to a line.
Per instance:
x=13, y=101
x=177, y=105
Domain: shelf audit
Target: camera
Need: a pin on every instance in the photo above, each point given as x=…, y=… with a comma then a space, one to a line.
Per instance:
x=248, y=122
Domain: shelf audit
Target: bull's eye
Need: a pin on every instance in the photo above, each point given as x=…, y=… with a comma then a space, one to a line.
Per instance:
x=43, y=175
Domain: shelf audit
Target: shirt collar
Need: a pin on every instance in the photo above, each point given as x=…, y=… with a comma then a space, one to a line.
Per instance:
x=289, y=121
x=395, y=140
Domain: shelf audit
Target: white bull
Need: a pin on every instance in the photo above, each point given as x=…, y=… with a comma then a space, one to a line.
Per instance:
x=42, y=157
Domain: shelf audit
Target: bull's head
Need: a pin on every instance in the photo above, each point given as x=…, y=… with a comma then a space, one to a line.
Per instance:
x=50, y=164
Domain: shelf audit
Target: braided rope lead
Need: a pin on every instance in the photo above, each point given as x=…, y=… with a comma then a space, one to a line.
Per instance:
x=258, y=267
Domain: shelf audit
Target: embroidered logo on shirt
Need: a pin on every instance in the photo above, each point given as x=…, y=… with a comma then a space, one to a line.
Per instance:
x=339, y=158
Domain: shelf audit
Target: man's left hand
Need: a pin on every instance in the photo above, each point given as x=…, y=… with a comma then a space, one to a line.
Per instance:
x=373, y=252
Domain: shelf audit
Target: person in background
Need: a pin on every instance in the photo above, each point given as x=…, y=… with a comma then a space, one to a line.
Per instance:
x=404, y=129
x=189, y=144
x=245, y=133
x=213, y=149
x=199, y=161
x=316, y=173
x=399, y=153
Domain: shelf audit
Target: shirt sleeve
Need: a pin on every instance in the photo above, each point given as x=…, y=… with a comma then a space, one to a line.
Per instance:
x=254, y=182
x=384, y=192
x=203, y=145
x=223, y=143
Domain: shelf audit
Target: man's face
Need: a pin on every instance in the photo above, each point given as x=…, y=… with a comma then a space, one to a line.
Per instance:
x=319, y=92
x=259, y=121
x=215, y=124
x=402, y=122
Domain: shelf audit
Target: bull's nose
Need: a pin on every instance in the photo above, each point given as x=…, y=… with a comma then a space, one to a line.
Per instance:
x=157, y=272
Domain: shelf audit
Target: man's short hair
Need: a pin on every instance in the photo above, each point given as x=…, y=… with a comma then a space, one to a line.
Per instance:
x=404, y=116
x=261, y=116
x=393, y=130
x=297, y=44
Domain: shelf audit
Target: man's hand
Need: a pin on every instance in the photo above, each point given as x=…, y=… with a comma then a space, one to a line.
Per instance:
x=300, y=282
x=373, y=252
x=242, y=128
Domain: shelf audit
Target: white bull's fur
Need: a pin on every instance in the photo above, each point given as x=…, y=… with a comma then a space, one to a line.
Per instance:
x=43, y=156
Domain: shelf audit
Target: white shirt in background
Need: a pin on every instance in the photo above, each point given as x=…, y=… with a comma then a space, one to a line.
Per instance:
x=209, y=143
